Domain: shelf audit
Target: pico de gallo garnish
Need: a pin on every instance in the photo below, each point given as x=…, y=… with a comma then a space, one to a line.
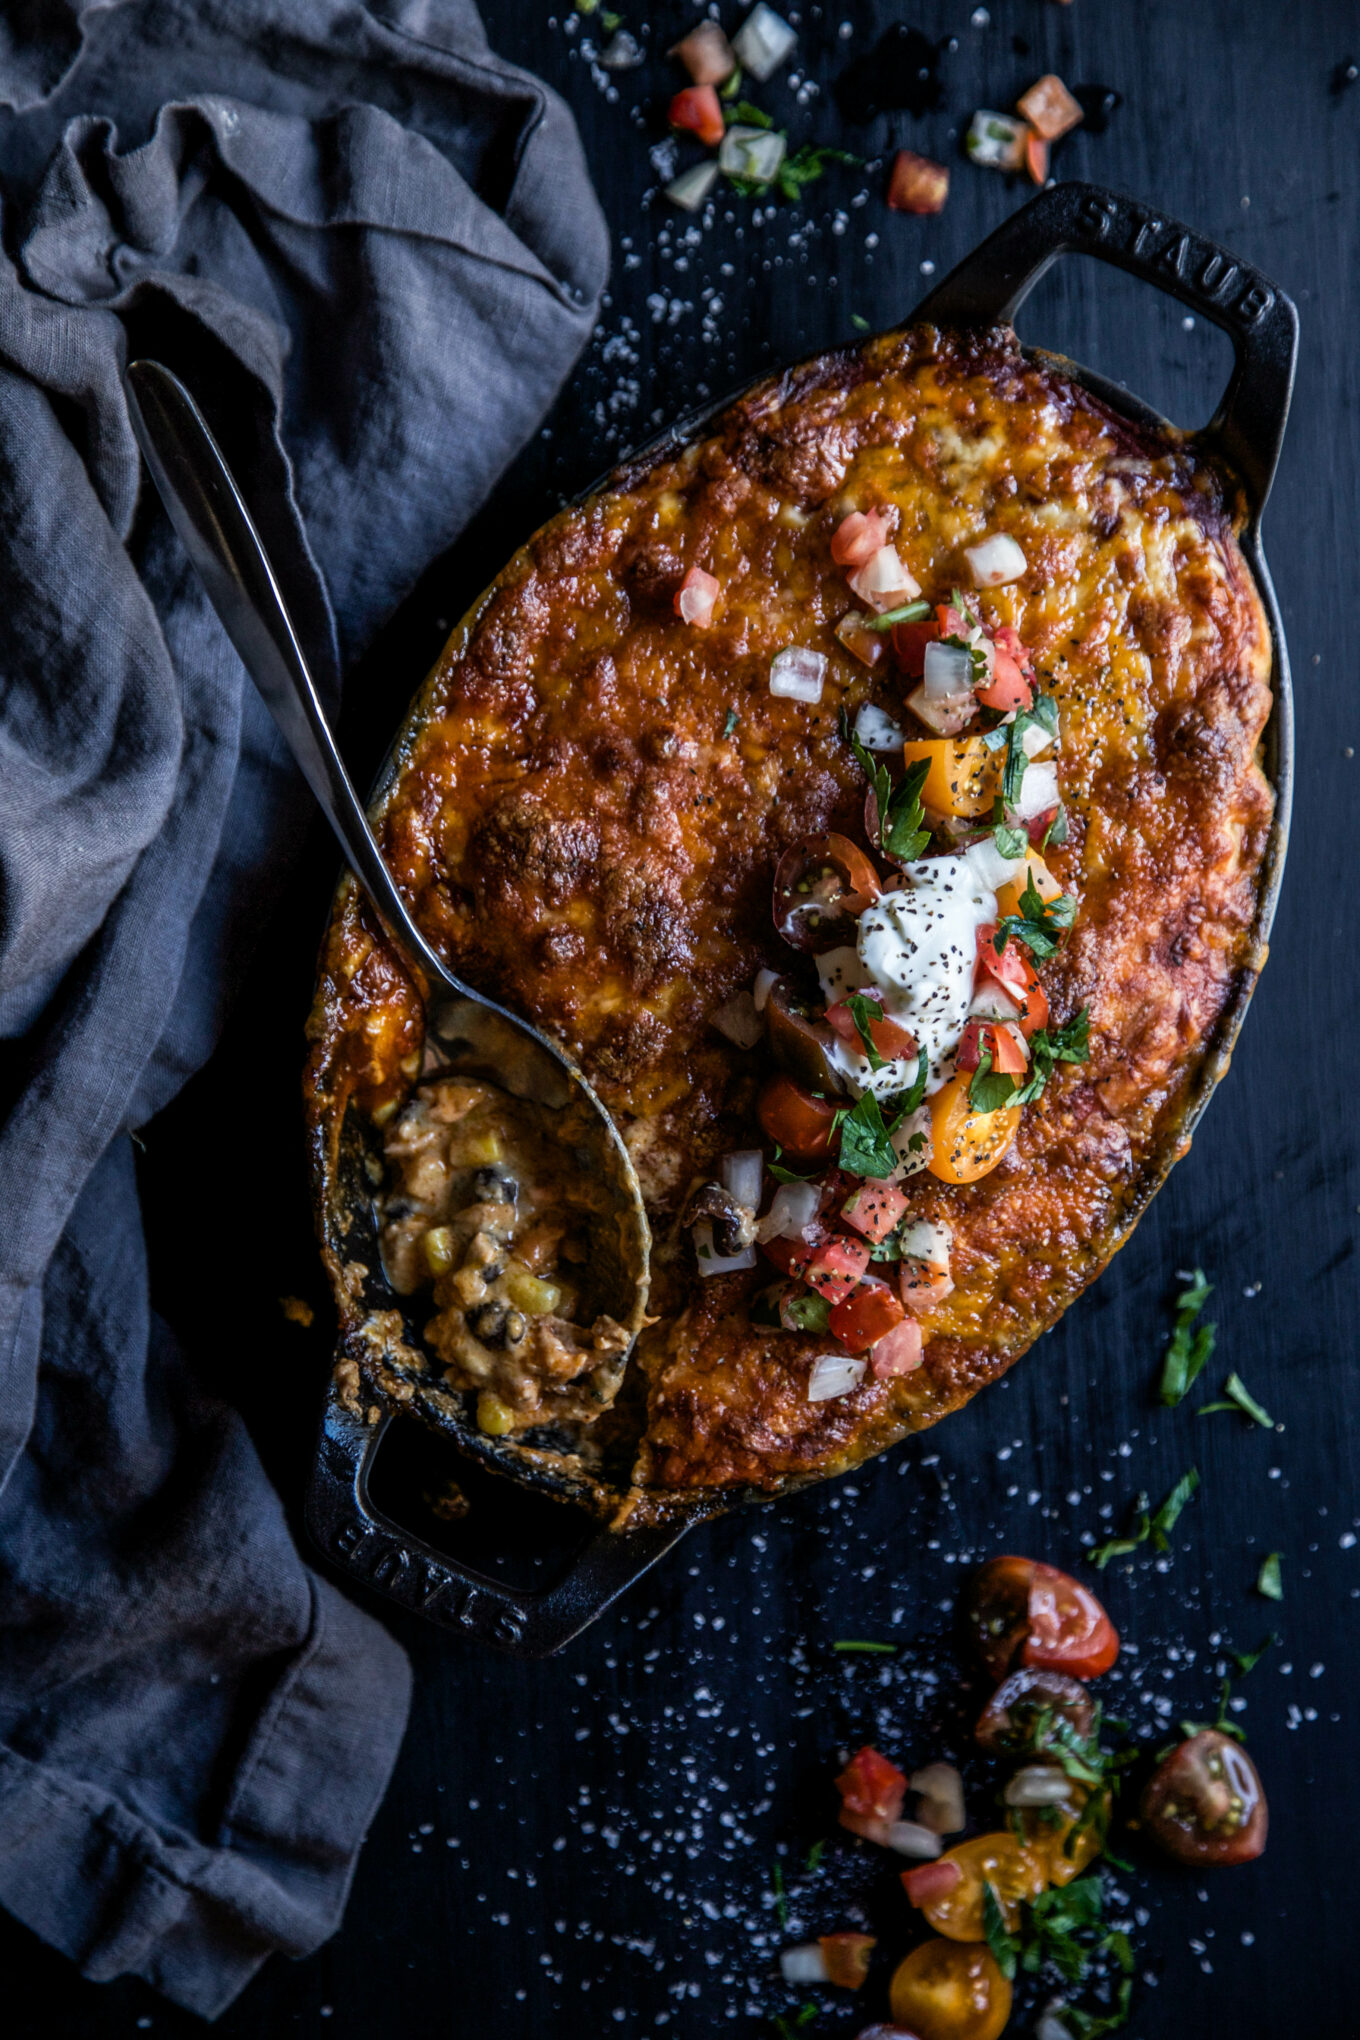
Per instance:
x=911, y=1026
x=1022, y=1896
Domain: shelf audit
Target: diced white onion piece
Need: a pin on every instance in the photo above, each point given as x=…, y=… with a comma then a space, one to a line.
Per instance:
x=763, y=42
x=877, y=731
x=834, y=1374
x=997, y=140
x=927, y=1241
x=753, y=153
x=713, y=1263
x=946, y=717
x=883, y=582
x=743, y=1176
x=797, y=673
x=1016, y=1034
x=911, y=1160
x=1034, y=739
x=941, y=1790
x=807, y=1965
x=948, y=672
x=1038, y=791
x=791, y=1212
x=622, y=52
x=738, y=1019
x=765, y=982
x=988, y=865
x=991, y=1003
x=691, y=189
x=995, y=561
x=1052, y=2025
x=1038, y=1785
x=909, y=1838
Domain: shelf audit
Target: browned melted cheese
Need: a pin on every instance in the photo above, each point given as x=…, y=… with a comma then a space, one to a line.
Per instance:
x=577, y=835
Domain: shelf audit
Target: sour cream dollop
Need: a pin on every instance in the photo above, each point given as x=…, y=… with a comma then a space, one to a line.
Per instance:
x=918, y=947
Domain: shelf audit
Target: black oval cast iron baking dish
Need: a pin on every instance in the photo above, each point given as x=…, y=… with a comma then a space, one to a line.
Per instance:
x=1244, y=437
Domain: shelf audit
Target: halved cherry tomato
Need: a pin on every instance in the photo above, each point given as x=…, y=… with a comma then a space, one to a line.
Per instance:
x=1018, y=1609
x=897, y=1352
x=821, y=887
x=867, y=1315
x=873, y=1209
x=858, y=537
x=837, y=1267
x=889, y=1036
x=1008, y=687
x=990, y=1037
x=1016, y=1720
x=870, y=1785
x=909, y=641
x=698, y=111
x=847, y=1958
x=1045, y=884
x=1204, y=1803
x=800, y=1043
x=1013, y=1871
x=946, y=1991
x=1069, y=1631
x=791, y=1256
x=1010, y=966
x=796, y=1119
x=967, y=1144
x=964, y=776
x=1070, y=1847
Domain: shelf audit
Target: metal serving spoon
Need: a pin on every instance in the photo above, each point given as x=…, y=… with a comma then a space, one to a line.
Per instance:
x=472, y=1033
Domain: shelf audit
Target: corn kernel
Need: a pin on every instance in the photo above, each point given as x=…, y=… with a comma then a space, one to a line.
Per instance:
x=493, y=1416
x=482, y=1148
x=437, y=1246
x=382, y=1113
x=529, y=1292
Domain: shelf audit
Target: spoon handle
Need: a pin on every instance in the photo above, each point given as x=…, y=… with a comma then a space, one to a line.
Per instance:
x=219, y=535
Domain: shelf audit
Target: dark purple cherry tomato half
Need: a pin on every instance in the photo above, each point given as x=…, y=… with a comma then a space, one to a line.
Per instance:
x=1020, y=1717
x=1204, y=1802
x=821, y=887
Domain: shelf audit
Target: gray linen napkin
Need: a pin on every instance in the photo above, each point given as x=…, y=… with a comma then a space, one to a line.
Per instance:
x=362, y=238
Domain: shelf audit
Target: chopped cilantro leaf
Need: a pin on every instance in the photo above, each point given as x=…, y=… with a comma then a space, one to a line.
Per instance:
x=1056, y=832
x=1004, y=1946
x=906, y=612
x=990, y=1090
x=1268, y=1580
x=1239, y=1397
x=866, y=1149
x=901, y=819
x=806, y=165
x=810, y=1313
x=1010, y=841
x=781, y=1903
x=747, y=115
x=1166, y=1518
x=1247, y=1660
x=863, y=1011
x=1071, y=1044
x=845, y=1643
x=1118, y=1547
x=1187, y=1355
x=814, y=1857
x=1042, y=714
x=860, y=324
x=1039, y=922
x=730, y=90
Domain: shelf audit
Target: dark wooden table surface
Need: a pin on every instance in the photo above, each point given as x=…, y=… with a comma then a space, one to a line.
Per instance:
x=589, y=1845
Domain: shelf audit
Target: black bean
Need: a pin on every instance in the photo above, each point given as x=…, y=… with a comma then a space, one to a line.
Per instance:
x=489, y=1186
x=487, y=1322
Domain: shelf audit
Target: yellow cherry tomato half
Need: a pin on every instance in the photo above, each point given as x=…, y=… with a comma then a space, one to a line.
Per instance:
x=1062, y=1852
x=964, y=776
x=950, y=1990
x=1045, y=884
x=967, y=1144
x=1012, y=1869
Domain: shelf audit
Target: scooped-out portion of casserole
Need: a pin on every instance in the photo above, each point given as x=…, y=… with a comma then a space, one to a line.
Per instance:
x=868, y=794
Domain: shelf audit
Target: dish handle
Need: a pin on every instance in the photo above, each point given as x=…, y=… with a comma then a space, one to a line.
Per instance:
x=358, y=1538
x=990, y=285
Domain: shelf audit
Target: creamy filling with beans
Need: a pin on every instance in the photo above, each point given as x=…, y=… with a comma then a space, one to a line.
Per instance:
x=488, y=1210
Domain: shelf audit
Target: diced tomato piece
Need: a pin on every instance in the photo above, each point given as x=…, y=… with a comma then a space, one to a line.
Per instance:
x=932, y=1881
x=867, y=1315
x=1036, y=158
x=889, y=1037
x=858, y=537
x=898, y=1351
x=695, y=597
x=792, y=1256
x=969, y=1052
x=952, y=622
x=796, y=1118
x=1008, y=688
x=1034, y=1012
x=909, y=641
x=917, y=185
x=871, y=1786
x=1008, y=1057
x=922, y=1284
x=847, y=1958
x=1007, y=639
x=988, y=1037
x=698, y=110
x=1010, y=966
x=874, y=1209
x=1038, y=826
x=837, y=1266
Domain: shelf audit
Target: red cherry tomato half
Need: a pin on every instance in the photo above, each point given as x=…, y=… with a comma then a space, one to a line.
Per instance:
x=909, y=641
x=996, y=1611
x=1019, y=1717
x=1010, y=966
x=698, y=110
x=847, y=1958
x=1069, y=1631
x=986, y=1037
x=867, y=1315
x=1204, y=1802
x=821, y=887
x=796, y=1119
x=889, y=1037
x=871, y=1786
x=790, y=1257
